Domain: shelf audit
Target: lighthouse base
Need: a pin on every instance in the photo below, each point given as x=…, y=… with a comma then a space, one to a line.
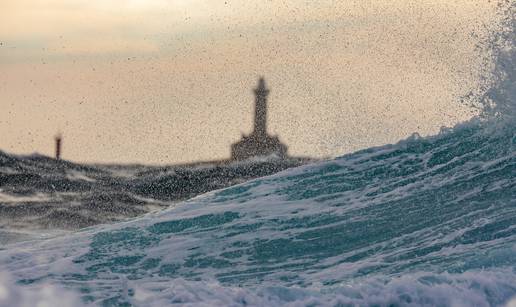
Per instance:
x=254, y=145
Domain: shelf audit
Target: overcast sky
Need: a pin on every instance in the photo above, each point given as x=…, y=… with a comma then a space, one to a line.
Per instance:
x=156, y=81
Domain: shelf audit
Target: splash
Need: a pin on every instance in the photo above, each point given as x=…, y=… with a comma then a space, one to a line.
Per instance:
x=498, y=94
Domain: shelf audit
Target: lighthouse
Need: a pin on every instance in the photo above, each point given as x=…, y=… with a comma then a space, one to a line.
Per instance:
x=259, y=142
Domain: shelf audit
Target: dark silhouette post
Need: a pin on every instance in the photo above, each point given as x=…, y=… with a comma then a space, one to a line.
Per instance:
x=59, y=140
x=260, y=109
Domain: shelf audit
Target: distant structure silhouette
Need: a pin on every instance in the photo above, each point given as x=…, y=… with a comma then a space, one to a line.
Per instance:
x=59, y=143
x=259, y=142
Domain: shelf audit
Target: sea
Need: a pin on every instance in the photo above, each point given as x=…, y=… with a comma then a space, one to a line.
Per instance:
x=427, y=221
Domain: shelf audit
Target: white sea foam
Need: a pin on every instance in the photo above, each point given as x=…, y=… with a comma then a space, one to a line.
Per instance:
x=43, y=295
x=485, y=288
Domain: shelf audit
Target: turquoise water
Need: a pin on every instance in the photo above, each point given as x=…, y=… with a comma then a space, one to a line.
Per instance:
x=428, y=220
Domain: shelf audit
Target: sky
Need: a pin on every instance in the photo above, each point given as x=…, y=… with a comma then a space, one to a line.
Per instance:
x=170, y=81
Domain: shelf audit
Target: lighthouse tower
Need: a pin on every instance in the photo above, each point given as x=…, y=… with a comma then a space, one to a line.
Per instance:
x=259, y=142
x=260, y=109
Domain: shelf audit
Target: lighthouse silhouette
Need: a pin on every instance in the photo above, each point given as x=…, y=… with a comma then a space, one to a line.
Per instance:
x=259, y=142
x=260, y=109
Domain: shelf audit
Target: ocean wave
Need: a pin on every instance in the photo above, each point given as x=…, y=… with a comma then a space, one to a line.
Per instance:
x=442, y=205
